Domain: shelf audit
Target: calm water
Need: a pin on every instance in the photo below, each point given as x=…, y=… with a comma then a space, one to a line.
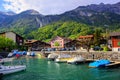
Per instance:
x=41, y=69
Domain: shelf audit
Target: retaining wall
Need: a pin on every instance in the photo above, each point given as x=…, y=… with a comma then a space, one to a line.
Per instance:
x=113, y=56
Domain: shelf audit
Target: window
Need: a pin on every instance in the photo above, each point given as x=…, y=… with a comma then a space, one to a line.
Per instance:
x=20, y=40
x=118, y=49
x=118, y=43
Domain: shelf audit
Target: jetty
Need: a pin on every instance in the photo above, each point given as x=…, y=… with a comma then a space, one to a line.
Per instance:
x=113, y=64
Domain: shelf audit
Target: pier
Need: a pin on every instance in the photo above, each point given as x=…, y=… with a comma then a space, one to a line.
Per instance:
x=114, y=57
x=113, y=64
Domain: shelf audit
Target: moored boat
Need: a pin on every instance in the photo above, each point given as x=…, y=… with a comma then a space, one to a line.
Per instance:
x=76, y=60
x=11, y=69
x=99, y=63
x=52, y=56
x=63, y=58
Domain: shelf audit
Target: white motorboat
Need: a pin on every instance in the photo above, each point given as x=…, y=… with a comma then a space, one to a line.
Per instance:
x=63, y=58
x=11, y=69
x=76, y=60
x=52, y=56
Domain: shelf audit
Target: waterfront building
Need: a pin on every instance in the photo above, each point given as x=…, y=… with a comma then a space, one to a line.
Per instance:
x=36, y=45
x=61, y=42
x=19, y=40
x=114, y=41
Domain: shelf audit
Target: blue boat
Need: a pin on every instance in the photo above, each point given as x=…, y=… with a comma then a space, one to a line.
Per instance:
x=99, y=63
x=32, y=54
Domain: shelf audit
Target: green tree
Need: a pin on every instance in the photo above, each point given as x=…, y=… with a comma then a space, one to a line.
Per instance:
x=6, y=44
x=97, y=37
x=56, y=44
x=86, y=43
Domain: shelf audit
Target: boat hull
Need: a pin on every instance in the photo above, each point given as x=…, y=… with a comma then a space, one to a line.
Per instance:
x=11, y=69
x=99, y=63
x=62, y=60
x=76, y=60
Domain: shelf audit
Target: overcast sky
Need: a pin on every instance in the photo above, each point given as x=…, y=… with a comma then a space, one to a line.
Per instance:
x=47, y=6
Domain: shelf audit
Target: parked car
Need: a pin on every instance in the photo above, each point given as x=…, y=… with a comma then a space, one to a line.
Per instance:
x=97, y=48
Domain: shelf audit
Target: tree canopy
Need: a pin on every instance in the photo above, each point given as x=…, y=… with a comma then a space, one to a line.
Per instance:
x=6, y=43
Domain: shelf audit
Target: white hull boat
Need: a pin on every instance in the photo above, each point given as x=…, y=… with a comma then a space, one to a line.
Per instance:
x=52, y=56
x=63, y=58
x=11, y=69
x=76, y=60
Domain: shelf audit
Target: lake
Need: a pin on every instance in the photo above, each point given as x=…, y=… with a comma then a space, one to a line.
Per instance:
x=42, y=69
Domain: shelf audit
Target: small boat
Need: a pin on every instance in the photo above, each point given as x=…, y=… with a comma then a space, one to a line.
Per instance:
x=11, y=69
x=28, y=53
x=76, y=60
x=52, y=56
x=99, y=63
x=63, y=58
x=32, y=54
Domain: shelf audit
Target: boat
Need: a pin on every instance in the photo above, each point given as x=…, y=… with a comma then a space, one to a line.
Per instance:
x=32, y=54
x=11, y=69
x=99, y=63
x=28, y=53
x=76, y=60
x=52, y=56
x=63, y=58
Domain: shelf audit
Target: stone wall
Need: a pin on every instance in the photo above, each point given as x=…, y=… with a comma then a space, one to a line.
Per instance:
x=113, y=56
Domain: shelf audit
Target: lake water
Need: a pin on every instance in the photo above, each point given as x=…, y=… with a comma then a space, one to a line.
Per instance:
x=41, y=69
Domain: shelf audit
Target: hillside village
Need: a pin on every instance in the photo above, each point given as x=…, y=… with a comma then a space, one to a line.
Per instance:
x=66, y=44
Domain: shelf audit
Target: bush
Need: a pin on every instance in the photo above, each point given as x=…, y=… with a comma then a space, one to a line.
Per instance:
x=105, y=48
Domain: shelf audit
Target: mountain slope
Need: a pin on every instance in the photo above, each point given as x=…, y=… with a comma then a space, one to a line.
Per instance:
x=69, y=29
x=93, y=15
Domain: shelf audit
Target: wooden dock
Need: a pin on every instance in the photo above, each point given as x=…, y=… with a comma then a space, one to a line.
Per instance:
x=113, y=64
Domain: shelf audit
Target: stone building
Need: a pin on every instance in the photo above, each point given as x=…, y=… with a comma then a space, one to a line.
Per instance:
x=13, y=36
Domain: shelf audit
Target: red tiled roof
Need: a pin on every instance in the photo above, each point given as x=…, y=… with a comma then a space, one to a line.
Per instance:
x=87, y=36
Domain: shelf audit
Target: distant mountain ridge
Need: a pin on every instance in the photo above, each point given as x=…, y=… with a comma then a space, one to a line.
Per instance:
x=95, y=15
x=113, y=8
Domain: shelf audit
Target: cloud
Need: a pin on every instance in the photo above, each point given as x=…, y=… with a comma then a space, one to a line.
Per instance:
x=47, y=6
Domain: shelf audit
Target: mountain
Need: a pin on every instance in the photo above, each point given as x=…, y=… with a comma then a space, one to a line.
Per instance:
x=97, y=15
x=93, y=15
x=113, y=8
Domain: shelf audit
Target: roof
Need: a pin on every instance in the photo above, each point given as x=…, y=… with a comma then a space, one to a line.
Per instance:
x=30, y=41
x=87, y=36
x=115, y=34
x=10, y=31
x=33, y=41
x=66, y=40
